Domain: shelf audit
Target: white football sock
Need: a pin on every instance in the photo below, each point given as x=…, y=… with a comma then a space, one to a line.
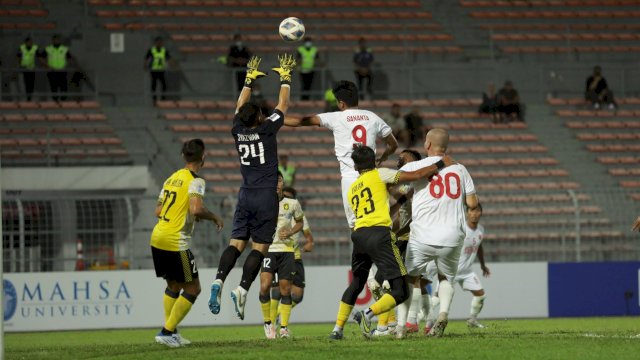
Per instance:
x=403, y=309
x=477, y=302
x=433, y=310
x=445, y=292
x=415, y=307
x=425, y=304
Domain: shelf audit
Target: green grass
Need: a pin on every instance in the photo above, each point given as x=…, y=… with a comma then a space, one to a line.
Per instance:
x=591, y=338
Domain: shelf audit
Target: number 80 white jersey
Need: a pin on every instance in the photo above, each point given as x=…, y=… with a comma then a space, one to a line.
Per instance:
x=438, y=204
x=350, y=127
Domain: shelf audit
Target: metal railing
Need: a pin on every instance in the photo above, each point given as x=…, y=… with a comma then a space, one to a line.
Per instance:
x=81, y=85
x=67, y=233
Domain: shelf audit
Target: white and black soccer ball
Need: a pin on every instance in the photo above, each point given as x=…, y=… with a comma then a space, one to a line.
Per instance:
x=291, y=29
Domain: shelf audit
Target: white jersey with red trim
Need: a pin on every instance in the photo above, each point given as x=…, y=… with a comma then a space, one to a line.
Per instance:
x=472, y=242
x=353, y=126
x=438, y=213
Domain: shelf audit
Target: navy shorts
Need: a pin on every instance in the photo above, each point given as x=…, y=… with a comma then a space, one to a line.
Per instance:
x=256, y=215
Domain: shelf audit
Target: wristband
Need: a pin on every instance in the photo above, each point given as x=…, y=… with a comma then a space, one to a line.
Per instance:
x=440, y=164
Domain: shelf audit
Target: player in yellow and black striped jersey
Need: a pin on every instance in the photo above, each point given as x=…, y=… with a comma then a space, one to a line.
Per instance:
x=180, y=204
x=373, y=241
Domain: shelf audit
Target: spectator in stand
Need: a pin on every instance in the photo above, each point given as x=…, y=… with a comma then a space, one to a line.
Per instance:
x=598, y=92
x=636, y=225
x=307, y=57
x=288, y=170
x=238, y=58
x=27, y=59
x=396, y=123
x=509, y=103
x=362, y=60
x=56, y=58
x=489, y=103
x=156, y=60
x=414, y=127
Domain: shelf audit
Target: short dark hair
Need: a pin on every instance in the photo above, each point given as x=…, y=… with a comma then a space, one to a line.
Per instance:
x=249, y=114
x=292, y=191
x=478, y=207
x=347, y=92
x=193, y=150
x=157, y=38
x=416, y=155
x=364, y=158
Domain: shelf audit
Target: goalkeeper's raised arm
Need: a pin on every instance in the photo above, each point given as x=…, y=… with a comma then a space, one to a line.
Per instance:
x=287, y=64
x=252, y=75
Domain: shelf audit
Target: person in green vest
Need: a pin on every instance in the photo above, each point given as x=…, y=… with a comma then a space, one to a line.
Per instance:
x=287, y=169
x=156, y=61
x=307, y=56
x=330, y=101
x=27, y=54
x=56, y=58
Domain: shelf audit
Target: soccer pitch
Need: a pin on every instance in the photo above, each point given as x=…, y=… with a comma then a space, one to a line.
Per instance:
x=582, y=338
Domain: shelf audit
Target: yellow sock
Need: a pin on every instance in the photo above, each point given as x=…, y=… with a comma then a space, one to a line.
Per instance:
x=285, y=314
x=386, y=303
x=180, y=310
x=392, y=316
x=383, y=319
x=168, y=302
x=266, y=311
x=274, y=310
x=343, y=314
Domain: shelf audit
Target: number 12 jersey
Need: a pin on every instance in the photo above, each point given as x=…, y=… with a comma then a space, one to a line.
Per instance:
x=258, y=151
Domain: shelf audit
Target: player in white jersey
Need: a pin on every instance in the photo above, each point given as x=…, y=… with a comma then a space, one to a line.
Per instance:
x=350, y=126
x=466, y=278
x=438, y=224
x=281, y=261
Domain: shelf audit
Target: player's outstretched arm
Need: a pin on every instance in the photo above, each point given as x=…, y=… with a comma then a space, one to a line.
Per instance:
x=285, y=233
x=252, y=75
x=426, y=172
x=483, y=266
x=303, y=121
x=286, y=64
x=391, y=147
x=308, y=245
x=636, y=225
x=197, y=209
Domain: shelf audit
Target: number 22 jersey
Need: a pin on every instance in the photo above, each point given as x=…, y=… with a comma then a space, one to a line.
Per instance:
x=175, y=224
x=353, y=126
x=258, y=151
x=438, y=204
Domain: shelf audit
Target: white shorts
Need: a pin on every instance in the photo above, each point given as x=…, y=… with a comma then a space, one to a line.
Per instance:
x=346, y=182
x=431, y=273
x=469, y=281
x=419, y=255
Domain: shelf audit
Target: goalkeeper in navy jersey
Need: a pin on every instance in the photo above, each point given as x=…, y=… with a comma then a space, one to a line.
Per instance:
x=256, y=214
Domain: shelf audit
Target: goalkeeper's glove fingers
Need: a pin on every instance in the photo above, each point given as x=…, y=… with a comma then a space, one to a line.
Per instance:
x=252, y=76
x=287, y=63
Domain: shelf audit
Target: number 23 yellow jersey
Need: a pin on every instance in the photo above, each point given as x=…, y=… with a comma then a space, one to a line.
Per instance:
x=369, y=198
x=175, y=224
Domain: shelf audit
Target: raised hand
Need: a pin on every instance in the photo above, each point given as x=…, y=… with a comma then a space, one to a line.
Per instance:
x=252, y=71
x=287, y=63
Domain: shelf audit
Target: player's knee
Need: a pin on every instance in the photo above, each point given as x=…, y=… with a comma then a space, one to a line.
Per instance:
x=297, y=298
x=286, y=300
x=264, y=298
x=478, y=292
x=275, y=293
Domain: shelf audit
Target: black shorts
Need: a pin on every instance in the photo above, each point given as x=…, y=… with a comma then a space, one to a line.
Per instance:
x=298, y=278
x=402, y=246
x=376, y=245
x=256, y=215
x=282, y=264
x=178, y=266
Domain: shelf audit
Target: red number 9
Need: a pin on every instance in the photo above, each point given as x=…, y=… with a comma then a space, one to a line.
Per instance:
x=359, y=134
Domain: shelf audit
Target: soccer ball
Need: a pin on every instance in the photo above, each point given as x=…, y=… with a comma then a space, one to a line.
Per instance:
x=291, y=29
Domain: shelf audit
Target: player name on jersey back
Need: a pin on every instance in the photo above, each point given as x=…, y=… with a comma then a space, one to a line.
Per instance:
x=248, y=137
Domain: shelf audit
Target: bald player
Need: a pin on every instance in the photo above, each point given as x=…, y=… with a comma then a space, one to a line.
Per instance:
x=438, y=224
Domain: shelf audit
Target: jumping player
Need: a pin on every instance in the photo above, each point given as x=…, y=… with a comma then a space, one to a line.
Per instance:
x=350, y=126
x=256, y=213
x=373, y=241
x=179, y=206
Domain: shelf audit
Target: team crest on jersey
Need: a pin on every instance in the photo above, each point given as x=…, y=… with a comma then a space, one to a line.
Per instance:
x=286, y=206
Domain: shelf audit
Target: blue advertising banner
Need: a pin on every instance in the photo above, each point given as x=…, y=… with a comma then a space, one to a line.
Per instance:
x=594, y=289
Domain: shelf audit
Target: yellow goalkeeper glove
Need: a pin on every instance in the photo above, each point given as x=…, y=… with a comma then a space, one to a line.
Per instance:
x=287, y=63
x=252, y=71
